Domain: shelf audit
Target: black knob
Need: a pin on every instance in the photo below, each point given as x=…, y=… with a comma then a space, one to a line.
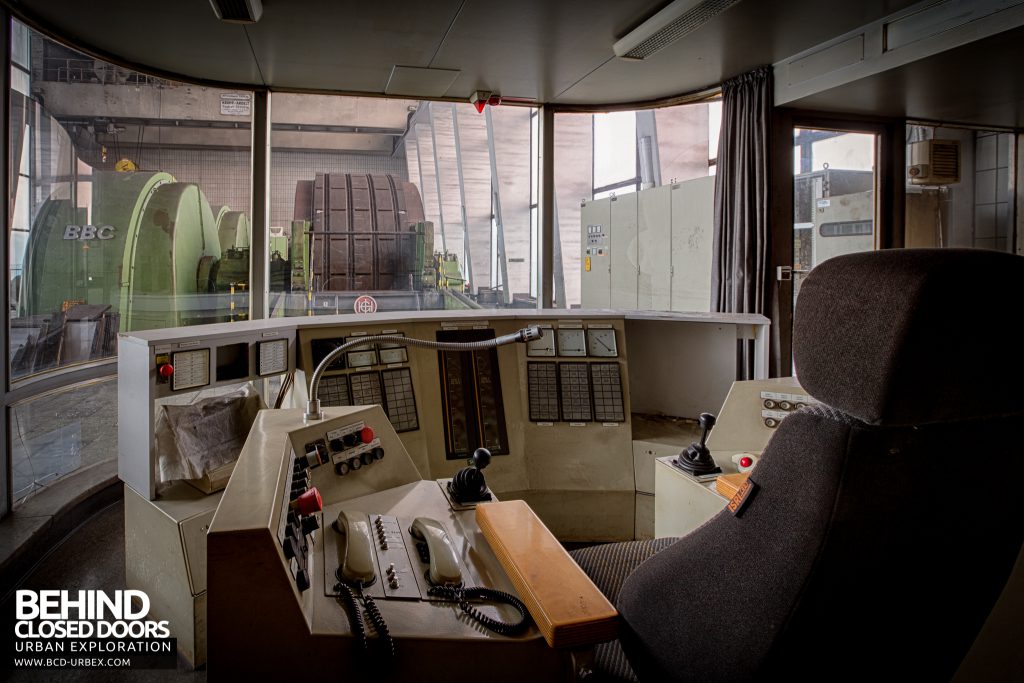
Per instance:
x=337, y=445
x=302, y=580
x=481, y=458
x=706, y=422
x=354, y=464
x=309, y=525
x=378, y=453
x=366, y=457
x=341, y=469
x=697, y=458
x=351, y=439
x=290, y=547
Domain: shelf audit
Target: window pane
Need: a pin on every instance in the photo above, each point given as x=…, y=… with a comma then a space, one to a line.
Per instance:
x=960, y=189
x=834, y=198
x=131, y=210
x=367, y=201
x=614, y=147
x=639, y=234
x=59, y=432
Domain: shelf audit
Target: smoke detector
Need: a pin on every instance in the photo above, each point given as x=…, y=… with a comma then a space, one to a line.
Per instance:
x=238, y=11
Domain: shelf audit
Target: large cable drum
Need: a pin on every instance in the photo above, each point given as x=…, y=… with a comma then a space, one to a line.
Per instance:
x=368, y=232
x=172, y=257
x=74, y=257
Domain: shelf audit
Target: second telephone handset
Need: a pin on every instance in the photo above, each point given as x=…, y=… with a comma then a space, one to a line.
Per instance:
x=444, y=567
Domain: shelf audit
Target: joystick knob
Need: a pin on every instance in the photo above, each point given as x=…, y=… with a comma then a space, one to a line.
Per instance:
x=468, y=485
x=696, y=459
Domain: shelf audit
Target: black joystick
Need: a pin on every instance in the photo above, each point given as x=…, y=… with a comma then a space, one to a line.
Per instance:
x=696, y=459
x=468, y=484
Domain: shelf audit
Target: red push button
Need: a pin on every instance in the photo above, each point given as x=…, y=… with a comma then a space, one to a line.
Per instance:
x=745, y=461
x=309, y=502
x=366, y=434
x=166, y=370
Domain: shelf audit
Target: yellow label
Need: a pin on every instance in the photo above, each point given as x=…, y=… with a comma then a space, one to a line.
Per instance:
x=586, y=264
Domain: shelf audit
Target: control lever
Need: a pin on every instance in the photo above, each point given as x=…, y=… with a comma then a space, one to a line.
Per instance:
x=444, y=566
x=468, y=485
x=696, y=459
x=357, y=560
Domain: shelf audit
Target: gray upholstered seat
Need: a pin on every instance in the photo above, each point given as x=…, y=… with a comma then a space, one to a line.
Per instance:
x=874, y=546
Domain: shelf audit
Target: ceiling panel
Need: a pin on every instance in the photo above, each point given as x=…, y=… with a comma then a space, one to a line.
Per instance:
x=748, y=35
x=177, y=37
x=552, y=51
x=979, y=83
x=325, y=44
x=535, y=48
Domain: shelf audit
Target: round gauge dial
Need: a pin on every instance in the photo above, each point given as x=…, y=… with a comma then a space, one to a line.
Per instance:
x=545, y=346
x=572, y=342
x=601, y=342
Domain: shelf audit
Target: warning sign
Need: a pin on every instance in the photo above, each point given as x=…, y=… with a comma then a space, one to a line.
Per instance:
x=236, y=104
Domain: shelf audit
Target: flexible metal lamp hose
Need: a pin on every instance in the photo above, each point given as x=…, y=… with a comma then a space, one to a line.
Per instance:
x=313, y=412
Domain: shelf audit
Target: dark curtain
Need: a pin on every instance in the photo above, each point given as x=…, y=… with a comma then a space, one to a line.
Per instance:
x=740, y=276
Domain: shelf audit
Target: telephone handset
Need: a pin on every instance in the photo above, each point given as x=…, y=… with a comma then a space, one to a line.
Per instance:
x=357, y=572
x=444, y=566
x=357, y=567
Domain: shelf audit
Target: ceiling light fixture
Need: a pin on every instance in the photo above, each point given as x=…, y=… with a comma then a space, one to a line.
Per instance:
x=667, y=26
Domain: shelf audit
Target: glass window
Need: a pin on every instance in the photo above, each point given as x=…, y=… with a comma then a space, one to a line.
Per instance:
x=960, y=190
x=420, y=205
x=61, y=431
x=635, y=207
x=130, y=204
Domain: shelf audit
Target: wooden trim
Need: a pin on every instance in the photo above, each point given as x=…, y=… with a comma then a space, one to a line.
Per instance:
x=569, y=610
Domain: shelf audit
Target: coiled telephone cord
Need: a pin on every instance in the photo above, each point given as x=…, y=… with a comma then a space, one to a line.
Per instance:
x=379, y=625
x=462, y=596
x=351, y=599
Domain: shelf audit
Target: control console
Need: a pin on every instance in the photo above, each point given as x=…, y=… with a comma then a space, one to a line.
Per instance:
x=367, y=567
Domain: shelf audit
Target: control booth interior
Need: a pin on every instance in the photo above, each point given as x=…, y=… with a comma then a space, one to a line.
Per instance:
x=604, y=341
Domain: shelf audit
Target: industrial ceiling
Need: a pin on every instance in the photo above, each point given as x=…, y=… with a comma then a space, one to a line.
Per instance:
x=548, y=51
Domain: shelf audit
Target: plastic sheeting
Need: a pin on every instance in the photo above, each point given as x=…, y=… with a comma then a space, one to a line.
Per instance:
x=197, y=438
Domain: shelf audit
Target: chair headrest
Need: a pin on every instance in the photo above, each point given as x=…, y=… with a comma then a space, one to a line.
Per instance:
x=912, y=336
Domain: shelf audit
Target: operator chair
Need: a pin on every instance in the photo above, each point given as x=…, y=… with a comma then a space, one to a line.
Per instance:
x=884, y=523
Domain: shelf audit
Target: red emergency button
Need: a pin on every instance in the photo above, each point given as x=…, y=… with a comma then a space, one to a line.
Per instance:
x=366, y=434
x=309, y=502
x=746, y=461
x=166, y=370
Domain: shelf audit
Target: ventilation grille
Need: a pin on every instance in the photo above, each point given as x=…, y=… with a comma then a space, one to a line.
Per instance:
x=686, y=23
x=934, y=162
x=238, y=11
x=946, y=158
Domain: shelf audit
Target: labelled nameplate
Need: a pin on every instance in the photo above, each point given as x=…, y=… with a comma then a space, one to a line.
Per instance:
x=545, y=424
x=609, y=424
x=577, y=424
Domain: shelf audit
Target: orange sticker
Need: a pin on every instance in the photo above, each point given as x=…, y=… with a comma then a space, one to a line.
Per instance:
x=743, y=495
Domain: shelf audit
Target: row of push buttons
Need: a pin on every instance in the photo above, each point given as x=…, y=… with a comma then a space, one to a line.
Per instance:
x=382, y=537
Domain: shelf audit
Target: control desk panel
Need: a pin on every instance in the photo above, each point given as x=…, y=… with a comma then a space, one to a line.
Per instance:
x=358, y=568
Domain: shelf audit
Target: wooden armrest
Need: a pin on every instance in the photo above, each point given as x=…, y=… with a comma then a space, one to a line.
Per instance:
x=568, y=608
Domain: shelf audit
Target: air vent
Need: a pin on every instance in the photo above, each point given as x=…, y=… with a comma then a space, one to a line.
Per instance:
x=934, y=162
x=667, y=26
x=238, y=11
